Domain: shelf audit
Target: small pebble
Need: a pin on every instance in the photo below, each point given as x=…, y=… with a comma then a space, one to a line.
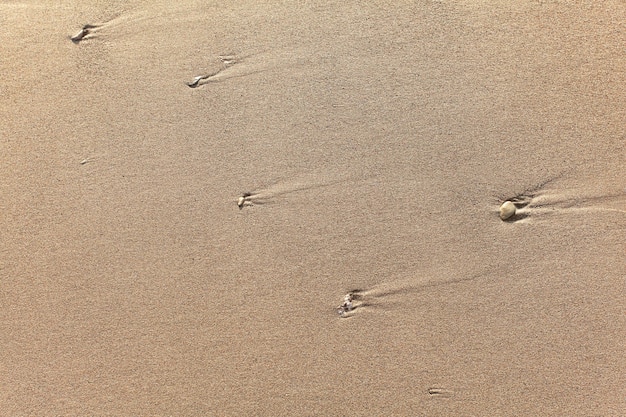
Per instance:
x=507, y=210
x=196, y=81
x=86, y=30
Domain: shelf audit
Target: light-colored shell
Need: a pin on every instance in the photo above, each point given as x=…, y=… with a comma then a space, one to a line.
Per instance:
x=507, y=210
x=241, y=201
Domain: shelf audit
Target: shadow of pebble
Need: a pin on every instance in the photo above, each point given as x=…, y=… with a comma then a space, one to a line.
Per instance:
x=516, y=217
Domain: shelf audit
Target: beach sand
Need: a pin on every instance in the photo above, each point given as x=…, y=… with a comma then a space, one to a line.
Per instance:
x=372, y=146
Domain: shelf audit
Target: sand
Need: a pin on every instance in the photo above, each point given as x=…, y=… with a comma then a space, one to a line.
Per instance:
x=372, y=146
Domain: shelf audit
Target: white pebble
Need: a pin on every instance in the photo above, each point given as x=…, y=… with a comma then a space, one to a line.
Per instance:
x=507, y=210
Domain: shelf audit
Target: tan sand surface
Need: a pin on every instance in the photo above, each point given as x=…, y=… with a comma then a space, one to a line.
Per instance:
x=375, y=144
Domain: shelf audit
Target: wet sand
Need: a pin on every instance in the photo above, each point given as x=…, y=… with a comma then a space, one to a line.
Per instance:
x=169, y=250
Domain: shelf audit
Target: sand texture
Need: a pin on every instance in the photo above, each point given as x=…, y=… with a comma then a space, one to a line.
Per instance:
x=292, y=208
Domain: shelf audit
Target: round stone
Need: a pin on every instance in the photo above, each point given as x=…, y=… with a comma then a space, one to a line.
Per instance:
x=507, y=210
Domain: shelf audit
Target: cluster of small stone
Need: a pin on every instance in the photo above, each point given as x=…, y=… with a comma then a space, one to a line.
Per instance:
x=347, y=305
